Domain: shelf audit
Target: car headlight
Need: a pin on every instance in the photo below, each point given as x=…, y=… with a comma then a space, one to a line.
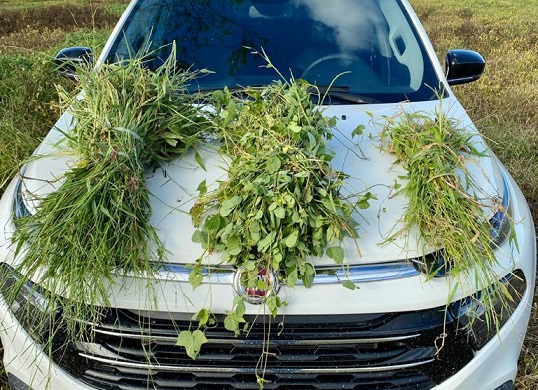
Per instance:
x=28, y=303
x=500, y=222
x=19, y=205
x=470, y=312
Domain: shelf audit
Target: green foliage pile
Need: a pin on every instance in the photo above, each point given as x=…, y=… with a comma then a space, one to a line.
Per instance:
x=96, y=223
x=281, y=202
x=444, y=201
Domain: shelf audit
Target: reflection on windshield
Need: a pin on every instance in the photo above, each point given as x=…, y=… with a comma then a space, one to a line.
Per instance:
x=366, y=46
x=351, y=21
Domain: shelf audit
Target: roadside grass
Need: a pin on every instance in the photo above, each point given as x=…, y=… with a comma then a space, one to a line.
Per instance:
x=503, y=103
x=29, y=38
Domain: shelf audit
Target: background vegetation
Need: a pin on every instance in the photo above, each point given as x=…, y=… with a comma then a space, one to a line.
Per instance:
x=503, y=103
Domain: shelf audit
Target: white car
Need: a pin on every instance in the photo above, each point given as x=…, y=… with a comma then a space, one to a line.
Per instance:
x=397, y=330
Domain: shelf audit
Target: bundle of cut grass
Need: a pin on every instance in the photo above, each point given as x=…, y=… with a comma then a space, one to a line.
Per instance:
x=96, y=224
x=281, y=202
x=445, y=203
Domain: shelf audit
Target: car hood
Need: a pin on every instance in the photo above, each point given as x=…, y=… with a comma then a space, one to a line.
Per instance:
x=173, y=186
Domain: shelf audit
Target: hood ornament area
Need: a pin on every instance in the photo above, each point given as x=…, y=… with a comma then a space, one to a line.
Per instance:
x=255, y=295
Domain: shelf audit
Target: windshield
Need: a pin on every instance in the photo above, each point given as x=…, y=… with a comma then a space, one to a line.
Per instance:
x=363, y=47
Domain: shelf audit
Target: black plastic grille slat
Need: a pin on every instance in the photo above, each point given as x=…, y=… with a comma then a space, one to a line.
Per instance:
x=383, y=351
x=408, y=381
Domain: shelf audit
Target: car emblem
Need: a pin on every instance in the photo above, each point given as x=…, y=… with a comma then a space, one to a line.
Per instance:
x=251, y=294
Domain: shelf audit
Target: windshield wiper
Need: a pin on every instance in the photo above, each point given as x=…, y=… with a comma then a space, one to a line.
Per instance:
x=341, y=93
x=330, y=95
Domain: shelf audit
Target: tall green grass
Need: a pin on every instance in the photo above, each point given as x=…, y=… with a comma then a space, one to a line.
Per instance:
x=130, y=119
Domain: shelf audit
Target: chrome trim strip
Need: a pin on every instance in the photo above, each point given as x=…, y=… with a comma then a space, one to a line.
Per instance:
x=325, y=275
x=236, y=341
x=222, y=370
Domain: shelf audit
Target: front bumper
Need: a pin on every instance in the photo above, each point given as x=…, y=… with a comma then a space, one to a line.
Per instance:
x=493, y=365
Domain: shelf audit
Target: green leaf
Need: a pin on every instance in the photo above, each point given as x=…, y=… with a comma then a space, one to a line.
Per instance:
x=294, y=127
x=197, y=236
x=196, y=277
x=236, y=251
x=218, y=95
x=308, y=280
x=330, y=234
x=336, y=253
x=349, y=284
x=231, y=324
x=230, y=113
x=105, y=211
x=240, y=308
x=191, y=341
x=199, y=160
x=273, y=164
x=228, y=205
x=233, y=242
x=277, y=258
x=363, y=204
x=215, y=222
x=265, y=242
x=202, y=316
x=312, y=143
x=358, y=131
x=280, y=212
x=273, y=303
x=302, y=174
x=291, y=276
x=291, y=240
x=202, y=188
x=254, y=227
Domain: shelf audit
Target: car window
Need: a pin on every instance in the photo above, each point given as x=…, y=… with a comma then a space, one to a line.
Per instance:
x=365, y=47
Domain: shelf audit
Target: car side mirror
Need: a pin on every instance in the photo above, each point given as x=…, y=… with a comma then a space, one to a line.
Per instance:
x=463, y=66
x=68, y=59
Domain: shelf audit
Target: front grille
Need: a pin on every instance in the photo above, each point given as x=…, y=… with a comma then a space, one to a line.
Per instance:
x=411, y=350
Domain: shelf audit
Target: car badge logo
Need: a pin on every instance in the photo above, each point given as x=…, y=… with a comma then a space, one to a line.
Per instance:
x=255, y=295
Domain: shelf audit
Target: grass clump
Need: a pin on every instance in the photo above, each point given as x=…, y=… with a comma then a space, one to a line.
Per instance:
x=96, y=223
x=445, y=203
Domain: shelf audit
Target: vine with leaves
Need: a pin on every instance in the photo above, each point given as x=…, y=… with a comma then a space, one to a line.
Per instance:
x=282, y=201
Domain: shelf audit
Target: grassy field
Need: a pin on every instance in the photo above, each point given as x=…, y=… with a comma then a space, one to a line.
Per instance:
x=503, y=104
